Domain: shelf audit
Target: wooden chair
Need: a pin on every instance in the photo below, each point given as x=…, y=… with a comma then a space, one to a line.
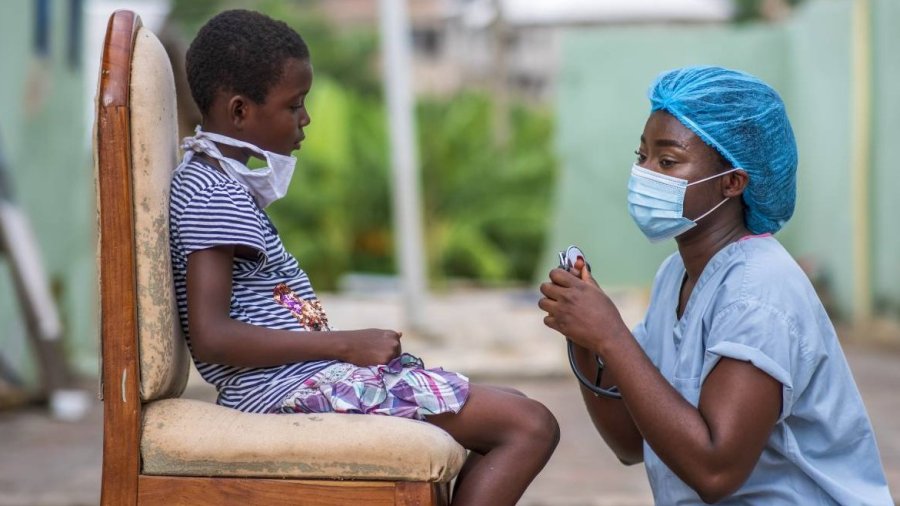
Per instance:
x=157, y=447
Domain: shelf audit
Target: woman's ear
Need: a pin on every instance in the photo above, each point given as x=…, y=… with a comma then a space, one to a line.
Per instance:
x=733, y=183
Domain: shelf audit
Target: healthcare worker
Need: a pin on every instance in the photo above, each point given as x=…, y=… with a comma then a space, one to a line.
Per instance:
x=734, y=388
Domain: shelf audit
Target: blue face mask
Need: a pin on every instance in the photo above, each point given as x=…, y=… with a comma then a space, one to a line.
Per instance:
x=656, y=203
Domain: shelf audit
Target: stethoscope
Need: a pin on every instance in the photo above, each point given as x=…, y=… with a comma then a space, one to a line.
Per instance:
x=567, y=260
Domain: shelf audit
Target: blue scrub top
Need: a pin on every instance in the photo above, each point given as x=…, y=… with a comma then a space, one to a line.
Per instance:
x=754, y=303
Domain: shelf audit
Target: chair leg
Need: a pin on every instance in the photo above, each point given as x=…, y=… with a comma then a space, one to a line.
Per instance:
x=422, y=493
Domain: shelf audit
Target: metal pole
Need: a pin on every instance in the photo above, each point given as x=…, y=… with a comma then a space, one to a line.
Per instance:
x=395, y=37
x=860, y=159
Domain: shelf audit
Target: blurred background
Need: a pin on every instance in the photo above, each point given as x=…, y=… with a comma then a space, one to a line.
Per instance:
x=526, y=115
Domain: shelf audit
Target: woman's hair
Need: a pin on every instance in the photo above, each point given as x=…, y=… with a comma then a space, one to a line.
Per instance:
x=743, y=119
x=242, y=52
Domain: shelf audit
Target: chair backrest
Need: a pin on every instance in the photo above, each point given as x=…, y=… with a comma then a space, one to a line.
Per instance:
x=143, y=353
x=164, y=358
x=141, y=89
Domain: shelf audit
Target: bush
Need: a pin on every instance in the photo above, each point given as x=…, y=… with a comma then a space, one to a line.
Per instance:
x=484, y=209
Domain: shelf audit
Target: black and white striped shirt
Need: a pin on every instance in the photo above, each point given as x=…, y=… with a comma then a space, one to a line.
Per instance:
x=208, y=208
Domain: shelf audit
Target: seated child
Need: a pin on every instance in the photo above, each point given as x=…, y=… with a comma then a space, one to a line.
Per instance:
x=251, y=319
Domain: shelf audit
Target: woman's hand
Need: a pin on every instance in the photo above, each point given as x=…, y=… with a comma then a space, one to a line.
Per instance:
x=579, y=271
x=578, y=308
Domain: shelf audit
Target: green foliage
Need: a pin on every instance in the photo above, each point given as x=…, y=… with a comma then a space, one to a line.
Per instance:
x=336, y=215
x=485, y=208
x=191, y=14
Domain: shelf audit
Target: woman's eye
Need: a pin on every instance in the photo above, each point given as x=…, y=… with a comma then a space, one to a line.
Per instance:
x=666, y=163
x=640, y=156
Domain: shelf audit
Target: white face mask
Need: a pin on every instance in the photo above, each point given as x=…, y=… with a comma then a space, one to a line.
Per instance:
x=266, y=185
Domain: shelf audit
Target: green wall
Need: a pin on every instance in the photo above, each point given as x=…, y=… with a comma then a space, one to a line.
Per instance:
x=602, y=106
x=45, y=138
x=886, y=173
x=819, y=105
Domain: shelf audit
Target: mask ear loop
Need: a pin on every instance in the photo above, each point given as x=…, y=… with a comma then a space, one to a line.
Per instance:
x=704, y=215
x=729, y=171
x=695, y=220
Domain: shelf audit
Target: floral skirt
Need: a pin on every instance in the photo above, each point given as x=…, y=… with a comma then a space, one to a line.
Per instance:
x=402, y=387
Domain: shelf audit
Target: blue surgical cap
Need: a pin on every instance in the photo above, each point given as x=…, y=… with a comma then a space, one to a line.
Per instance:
x=744, y=119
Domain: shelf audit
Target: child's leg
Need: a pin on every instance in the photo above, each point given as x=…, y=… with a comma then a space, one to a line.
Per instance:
x=475, y=457
x=514, y=436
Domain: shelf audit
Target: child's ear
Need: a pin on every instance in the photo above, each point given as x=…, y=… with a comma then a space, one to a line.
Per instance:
x=238, y=111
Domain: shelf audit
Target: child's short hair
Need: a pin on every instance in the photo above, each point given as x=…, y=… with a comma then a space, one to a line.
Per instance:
x=242, y=52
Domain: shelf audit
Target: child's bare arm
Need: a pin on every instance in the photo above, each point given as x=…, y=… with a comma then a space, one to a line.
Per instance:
x=217, y=338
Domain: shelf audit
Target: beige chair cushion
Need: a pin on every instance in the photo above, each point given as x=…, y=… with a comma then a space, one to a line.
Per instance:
x=163, y=352
x=195, y=438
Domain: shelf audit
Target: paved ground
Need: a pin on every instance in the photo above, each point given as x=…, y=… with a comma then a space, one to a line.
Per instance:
x=493, y=336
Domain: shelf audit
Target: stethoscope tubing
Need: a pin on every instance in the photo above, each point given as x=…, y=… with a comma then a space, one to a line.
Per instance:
x=567, y=259
x=594, y=387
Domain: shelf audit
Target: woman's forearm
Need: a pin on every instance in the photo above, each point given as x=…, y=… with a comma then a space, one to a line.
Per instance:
x=710, y=449
x=610, y=416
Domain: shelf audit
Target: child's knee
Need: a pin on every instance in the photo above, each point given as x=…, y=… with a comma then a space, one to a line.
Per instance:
x=538, y=424
x=509, y=390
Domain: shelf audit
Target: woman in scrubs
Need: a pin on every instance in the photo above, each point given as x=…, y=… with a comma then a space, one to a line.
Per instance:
x=734, y=388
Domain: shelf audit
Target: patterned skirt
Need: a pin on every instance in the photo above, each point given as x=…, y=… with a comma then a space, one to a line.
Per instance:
x=402, y=387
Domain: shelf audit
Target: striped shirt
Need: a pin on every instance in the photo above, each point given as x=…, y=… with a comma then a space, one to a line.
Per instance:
x=207, y=209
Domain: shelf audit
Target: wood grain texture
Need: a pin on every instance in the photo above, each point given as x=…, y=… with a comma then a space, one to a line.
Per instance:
x=177, y=491
x=121, y=406
x=421, y=494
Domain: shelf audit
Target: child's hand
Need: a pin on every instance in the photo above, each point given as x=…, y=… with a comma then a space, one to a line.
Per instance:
x=373, y=347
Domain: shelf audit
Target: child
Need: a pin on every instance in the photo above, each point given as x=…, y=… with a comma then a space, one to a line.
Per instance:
x=252, y=321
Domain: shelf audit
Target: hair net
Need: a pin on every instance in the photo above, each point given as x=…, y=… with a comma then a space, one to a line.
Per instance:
x=744, y=119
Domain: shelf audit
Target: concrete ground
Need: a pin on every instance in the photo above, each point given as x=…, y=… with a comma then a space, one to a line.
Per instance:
x=494, y=337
